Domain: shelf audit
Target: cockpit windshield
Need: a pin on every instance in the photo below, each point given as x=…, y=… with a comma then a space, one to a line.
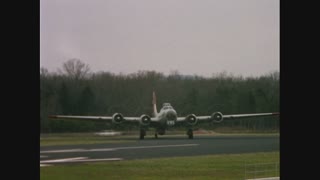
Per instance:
x=166, y=104
x=167, y=107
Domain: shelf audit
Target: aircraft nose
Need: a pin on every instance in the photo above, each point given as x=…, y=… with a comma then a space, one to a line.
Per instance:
x=171, y=115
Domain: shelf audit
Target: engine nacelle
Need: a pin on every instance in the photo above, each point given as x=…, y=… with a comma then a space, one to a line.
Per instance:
x=145, y=120
x=217, y=117
x=117, y=118
x=191, y=119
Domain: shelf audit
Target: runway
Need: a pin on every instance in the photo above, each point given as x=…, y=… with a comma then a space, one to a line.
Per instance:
x=165, y=146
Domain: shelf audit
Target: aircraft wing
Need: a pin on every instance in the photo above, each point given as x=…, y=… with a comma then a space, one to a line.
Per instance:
x=92, y=118
x=117, y=118
x=233, y=116
x=218, y=117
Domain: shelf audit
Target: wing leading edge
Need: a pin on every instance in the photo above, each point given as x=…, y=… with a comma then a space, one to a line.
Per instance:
x=229, y=117
x=233, y=116
x=95, y=118
x=91, y=118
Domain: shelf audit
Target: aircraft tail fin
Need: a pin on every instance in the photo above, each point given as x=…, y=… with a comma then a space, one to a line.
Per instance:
x=154, y=102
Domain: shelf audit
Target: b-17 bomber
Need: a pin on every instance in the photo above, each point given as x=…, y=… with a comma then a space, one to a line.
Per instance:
x=166, y=118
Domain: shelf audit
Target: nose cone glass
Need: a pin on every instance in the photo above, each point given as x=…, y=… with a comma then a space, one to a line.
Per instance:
x=171, y=115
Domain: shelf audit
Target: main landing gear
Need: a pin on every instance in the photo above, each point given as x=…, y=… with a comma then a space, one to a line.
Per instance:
x=190, y=133
x=142, y=133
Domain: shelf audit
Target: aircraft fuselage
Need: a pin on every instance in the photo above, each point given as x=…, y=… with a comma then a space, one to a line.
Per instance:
x=167, y=117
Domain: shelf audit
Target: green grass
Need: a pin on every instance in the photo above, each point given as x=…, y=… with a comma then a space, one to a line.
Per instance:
x=198, y=167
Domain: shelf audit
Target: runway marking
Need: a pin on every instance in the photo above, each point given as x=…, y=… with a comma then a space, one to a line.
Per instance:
x=63, y=160
x=77, y=150
x=117, y=148
x=62, y=151
x=95, y=160
x=77, y=159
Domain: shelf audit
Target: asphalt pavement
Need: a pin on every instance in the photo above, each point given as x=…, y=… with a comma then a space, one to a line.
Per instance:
x=174, y=146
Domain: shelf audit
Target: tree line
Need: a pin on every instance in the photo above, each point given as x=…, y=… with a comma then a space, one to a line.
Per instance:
x=75, y=90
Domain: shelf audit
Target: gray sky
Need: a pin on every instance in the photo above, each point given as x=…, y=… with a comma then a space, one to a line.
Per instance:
x=192, y=36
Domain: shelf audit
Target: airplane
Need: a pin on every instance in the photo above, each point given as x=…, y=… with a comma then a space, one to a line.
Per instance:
x=166, y=118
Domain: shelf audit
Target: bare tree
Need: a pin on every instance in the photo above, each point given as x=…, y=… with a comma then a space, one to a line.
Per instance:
x=44, y=71
x=75, y=69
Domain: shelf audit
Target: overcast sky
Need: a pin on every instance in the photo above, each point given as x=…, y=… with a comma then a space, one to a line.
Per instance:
x=192, y=36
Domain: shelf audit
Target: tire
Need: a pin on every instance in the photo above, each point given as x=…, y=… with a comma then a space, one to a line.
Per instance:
x=142, y=133
x=190, y=133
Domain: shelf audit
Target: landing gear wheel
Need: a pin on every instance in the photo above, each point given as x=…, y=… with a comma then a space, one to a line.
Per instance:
x=156, y=135
x=142, y=133
x=190, y=133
